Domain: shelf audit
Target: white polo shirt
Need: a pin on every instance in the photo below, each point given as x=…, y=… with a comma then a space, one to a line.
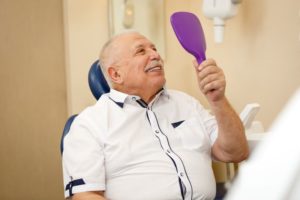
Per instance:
x=135, y=151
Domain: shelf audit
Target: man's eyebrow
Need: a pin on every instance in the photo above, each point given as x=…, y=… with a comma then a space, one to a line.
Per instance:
x=143, y=45
x=139, y=46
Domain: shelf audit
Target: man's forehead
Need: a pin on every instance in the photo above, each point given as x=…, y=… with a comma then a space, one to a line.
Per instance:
x=142, y=43
x=141, y=39
x=134, y=40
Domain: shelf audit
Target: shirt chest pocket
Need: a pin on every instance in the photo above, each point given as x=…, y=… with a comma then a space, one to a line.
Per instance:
x=193, y=135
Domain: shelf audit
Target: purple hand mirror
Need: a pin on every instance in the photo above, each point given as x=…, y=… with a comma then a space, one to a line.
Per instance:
x=189, y=32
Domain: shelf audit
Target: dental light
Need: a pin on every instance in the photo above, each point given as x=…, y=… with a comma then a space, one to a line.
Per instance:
x=219, y=11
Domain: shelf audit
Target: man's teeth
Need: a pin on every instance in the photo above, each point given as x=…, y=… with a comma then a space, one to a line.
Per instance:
x=153, y=68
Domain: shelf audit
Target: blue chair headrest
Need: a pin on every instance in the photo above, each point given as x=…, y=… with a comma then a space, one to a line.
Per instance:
x=97, y=81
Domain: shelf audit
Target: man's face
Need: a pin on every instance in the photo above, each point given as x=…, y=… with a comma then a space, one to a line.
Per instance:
x=139, y=65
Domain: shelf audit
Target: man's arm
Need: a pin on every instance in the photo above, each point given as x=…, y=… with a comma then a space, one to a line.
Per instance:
x=88, y=196
x=231, y=144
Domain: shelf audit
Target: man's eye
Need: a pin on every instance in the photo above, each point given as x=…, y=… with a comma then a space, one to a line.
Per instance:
x=140, y=51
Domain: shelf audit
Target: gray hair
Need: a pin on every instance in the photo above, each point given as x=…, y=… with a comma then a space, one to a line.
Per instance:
x=106, y=59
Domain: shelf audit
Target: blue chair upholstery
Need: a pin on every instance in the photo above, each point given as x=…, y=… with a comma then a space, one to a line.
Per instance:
x=98, y=86
x=97, y=81
x=66, y=130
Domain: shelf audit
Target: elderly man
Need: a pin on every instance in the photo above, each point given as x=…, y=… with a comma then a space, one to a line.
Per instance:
x=144, y=142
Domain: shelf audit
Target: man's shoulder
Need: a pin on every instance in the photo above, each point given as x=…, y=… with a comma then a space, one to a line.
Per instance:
x=94, y=111
x=91, y=120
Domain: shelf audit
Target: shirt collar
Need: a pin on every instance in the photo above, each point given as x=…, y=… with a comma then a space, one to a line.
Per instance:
x=119, y=97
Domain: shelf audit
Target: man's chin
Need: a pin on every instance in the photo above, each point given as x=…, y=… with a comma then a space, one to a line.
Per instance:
x=160, y=84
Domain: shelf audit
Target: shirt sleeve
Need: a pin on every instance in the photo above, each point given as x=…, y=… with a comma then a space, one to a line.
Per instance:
x=209, y=122
x=83, y=158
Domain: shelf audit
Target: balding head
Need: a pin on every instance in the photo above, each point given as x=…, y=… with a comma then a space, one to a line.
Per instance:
x=110, y=53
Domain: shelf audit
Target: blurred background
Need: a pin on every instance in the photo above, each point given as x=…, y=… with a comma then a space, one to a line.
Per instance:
x=47, y=48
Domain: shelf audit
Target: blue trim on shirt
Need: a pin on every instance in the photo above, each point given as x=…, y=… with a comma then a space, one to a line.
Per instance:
x=142, y=103
x=176, y=124
x=72, y=184
x=120, y=104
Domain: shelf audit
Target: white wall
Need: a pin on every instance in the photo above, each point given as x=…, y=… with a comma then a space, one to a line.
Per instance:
x=86, y=30
x=150, y=11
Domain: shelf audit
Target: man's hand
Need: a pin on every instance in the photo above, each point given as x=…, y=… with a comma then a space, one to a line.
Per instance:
x=211, y=80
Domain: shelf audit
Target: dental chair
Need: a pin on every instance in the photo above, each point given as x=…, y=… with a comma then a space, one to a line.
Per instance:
x=98, y=86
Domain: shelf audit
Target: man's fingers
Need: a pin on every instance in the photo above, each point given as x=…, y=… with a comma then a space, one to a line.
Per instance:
x=207, y=72
x=206, y=63
x=195, y=63
x=217, y=85
x=207, y=80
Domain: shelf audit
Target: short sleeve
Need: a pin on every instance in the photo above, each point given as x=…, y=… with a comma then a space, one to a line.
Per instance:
x=209, y=122
x=83, y=158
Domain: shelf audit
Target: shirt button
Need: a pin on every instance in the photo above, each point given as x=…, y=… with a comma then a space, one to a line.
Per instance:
x=181, y=174
x=168, y=151
x=133, y=98
x=156, y=131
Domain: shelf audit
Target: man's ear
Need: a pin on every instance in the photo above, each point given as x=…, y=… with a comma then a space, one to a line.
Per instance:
x=114, y=75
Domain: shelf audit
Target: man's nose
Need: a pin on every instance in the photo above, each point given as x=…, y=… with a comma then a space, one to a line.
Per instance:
x=154, y=55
